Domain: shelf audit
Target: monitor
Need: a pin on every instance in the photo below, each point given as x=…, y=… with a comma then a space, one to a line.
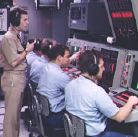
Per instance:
x=134, y=83
x=4, y=3
x=129, y=77
x=75, y=13
x=74, y=49
x=45, y=3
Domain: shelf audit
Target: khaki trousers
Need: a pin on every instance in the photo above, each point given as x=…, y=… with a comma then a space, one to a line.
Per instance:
x=13, y=84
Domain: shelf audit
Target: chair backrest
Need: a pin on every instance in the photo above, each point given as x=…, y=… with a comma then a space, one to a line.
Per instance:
x=30, y=89
x=34, y=85
x=44, y=102
x=74, y=126
x=36, y=110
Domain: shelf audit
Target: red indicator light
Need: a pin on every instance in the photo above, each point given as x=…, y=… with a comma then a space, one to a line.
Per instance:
x=127, y=14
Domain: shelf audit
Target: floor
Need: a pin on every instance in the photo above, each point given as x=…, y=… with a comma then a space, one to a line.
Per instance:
x=23, y=130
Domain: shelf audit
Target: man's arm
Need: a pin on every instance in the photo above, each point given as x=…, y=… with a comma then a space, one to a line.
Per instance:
x=22, y=56
x=126, y=109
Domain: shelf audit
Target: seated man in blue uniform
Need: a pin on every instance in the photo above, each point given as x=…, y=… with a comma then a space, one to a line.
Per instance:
x=39, y=63
x=35, y=54
x=52, y=83
x=85, y=99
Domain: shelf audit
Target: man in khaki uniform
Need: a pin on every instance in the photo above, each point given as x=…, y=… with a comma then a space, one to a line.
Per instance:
x=13, y=80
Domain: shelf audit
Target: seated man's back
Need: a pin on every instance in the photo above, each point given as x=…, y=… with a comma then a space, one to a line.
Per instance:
x=51, y=84
x=36, y=68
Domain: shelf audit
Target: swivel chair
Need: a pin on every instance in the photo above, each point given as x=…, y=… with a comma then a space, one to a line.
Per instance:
x=35, y=108
x=45, y=112
x=74, y=126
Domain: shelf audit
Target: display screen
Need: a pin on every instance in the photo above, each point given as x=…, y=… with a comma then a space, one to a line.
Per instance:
x=110, y=60
x=6, y=2
x=47, y=2
x=134, y=84
x=76, y=13
x=74, y=49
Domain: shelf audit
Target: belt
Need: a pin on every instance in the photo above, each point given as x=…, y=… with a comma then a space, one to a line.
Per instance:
x=56, y=113
x=99, y=135
x=16, y=71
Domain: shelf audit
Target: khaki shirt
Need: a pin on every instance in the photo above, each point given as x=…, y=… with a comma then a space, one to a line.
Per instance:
x=10, y=50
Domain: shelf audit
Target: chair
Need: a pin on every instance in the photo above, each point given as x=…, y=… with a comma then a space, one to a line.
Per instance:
x=39, y=108
x=36, y=124
x=74, y=126
x=34, y=85
x=45, y=111
x=44, y=103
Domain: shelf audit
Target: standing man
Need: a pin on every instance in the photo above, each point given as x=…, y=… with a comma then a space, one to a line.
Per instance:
x=13, y=80
x=85, y=99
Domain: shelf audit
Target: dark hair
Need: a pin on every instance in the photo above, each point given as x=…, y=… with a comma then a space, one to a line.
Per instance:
x=57, y=50
x=46, y=45
x=15, y=15
x=88, y=62
x=53, y=41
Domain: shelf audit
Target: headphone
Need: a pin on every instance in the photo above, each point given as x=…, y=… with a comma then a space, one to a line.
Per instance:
x=93, y=67
x=15, y=15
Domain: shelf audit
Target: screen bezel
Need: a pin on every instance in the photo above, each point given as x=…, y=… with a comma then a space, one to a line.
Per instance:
x=42, y=3
x=132, y=75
